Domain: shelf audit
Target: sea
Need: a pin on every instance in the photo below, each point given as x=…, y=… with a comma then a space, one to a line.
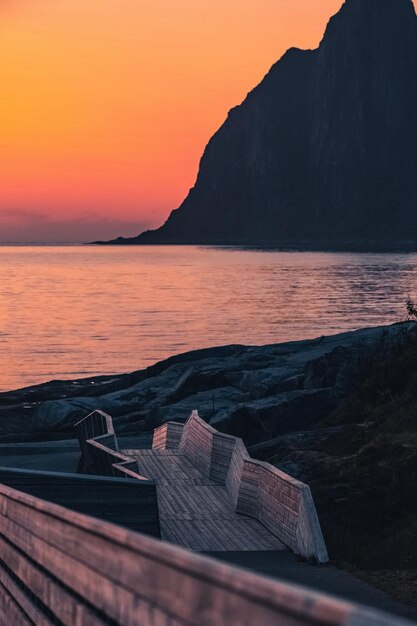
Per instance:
x=74, y=311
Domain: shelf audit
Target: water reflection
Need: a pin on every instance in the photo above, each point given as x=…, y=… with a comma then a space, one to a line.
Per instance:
x=74, y=311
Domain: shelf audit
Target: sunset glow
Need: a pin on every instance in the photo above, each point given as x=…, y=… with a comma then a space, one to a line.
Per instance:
x=106, y=106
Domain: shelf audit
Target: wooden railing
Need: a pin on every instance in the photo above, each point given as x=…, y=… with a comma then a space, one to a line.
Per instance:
x=257, y=489
x=58, y=567
x=167, y=436
x=100, y=451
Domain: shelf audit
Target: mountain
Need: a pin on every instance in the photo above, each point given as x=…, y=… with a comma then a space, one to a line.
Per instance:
x=323, y=152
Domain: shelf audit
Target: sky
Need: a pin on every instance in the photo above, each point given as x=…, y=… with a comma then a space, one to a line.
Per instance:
x=106, y=105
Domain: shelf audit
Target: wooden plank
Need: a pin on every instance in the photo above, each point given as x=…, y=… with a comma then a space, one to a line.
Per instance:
x=187, y=498
x=11, y=613
x=66, y=606
x=29, y=608
x=112, y=600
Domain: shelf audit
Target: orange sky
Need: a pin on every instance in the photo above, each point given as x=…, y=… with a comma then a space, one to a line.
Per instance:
x=106, y=105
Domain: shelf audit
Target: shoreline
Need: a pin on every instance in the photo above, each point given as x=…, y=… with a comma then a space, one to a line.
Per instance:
x=52, y=385
x=85, y=394
x=371, y=247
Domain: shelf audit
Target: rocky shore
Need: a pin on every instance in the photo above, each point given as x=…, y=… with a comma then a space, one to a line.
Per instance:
x=258, y=393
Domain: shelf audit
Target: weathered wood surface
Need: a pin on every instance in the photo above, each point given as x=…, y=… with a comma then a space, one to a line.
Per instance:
x=196, y=512
x=62, y=568
x=204, y=456
x=168, y=435
x=130, y=503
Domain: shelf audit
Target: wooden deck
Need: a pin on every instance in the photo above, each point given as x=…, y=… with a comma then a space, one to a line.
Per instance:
x=195, y=512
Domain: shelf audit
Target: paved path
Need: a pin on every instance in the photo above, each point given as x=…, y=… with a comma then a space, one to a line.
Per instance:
x=196, y=512
x=329, y=579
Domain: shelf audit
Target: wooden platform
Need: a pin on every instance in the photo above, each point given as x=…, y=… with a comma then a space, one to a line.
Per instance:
x=194, y=511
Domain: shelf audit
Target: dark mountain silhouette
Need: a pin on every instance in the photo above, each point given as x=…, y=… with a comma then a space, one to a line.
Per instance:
x=323, y=152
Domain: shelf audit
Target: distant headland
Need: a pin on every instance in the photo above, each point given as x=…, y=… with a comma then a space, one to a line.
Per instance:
x=322, y=154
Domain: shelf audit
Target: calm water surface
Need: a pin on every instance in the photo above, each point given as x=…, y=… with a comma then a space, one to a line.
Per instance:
x=67, y=312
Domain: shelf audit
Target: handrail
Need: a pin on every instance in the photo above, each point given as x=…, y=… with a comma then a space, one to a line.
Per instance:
x=58, y=566
x=95, y=431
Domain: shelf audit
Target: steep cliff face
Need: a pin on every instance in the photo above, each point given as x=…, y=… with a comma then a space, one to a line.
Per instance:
x=323, y=151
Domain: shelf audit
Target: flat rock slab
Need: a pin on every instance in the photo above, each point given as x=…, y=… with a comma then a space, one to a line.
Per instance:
x=195, y=512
